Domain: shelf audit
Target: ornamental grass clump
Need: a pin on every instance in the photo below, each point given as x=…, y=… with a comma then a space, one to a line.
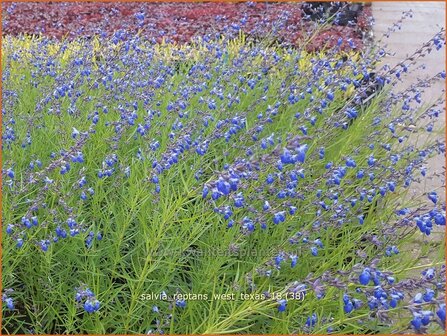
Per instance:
x=220, y=186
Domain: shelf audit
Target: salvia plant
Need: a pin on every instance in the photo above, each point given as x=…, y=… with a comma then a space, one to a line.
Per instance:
x=227, y=185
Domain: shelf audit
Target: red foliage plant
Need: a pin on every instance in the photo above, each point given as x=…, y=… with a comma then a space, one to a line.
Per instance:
x=176, y=21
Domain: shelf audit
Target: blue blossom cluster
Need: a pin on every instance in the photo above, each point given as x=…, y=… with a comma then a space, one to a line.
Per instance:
x=87, y=299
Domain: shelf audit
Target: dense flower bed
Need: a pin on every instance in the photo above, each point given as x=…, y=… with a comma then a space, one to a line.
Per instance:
x=227, y=185
x=176, y=21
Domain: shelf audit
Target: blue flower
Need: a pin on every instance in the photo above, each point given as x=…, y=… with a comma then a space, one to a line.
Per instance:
x=426, y=315
x=348, y=307
x=19, y=243
x=139, y=16
x=311, y=320
x=91, y=305
x=279, y=217
x=303, y=129
x=391, y=250
x=416, y=323
x=391, y=186
x=61, y=232
x=428, y=274
x=361, y=219
x=9, y=303
x=441, y=312
x=433, y=196
x=439, y=219
x=65, y=168
x=215, y=194
x=351, y=113
x=418, y=298
x=286, y=157
x=318, y=242
x=239, y=201
x=301, y=156
x=292, y=210
x=44, y=244
x=266, y=206
x=321, y=153
x=372, y=303
x=10, y=173
x=281, y=194
x=9, y=229
x=180, y=303
x=393, y=303
x=350, y=163
x=26, y=222
x=212, y=105
x=365, y=277
x=223, y=186
x=294, y=260
x=391, y=127
x=282, y=305
x=429, y=295
x=205, y=192
x=278, y=259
